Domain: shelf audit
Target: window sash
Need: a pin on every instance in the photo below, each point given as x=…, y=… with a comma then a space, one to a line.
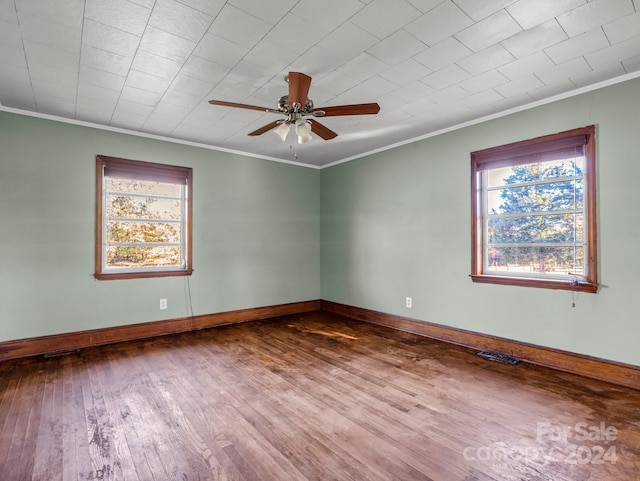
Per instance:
x=540, y=150
x=109, y=167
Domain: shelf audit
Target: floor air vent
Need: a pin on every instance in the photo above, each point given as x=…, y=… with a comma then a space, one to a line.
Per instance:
x=498, y=356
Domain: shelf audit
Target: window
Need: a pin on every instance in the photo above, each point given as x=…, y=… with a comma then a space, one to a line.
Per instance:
x=143, y=219
x=534, y=213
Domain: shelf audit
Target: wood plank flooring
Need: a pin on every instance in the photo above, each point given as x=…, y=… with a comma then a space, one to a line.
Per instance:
x=308, y=397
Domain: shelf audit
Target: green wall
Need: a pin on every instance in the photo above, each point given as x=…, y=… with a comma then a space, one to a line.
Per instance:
x=397, y=224
x=366, y=233
x=256, y=232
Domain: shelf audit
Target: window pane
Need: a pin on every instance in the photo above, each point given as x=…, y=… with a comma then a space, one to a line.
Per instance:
x=142, y=187
x=536, y=260
x=537, y=198
x=143, y=207
x=535, y=172
x=146, y=232
x=143, y=256
x=537, y=228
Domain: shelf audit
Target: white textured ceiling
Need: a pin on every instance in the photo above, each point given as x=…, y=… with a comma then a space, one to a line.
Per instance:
x=149, y=66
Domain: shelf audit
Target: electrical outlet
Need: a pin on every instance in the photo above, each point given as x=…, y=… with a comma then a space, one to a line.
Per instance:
x=163, y=304
x=408, y=302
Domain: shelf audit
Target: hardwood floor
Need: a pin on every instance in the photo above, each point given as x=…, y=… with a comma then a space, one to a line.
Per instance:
x=308, y=397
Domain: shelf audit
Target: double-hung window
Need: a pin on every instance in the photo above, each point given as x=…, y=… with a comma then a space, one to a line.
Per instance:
x=534, y=212
x=143, y=219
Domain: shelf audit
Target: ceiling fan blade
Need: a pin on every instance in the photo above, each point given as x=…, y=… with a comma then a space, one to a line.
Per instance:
x=299, y=85
x=322, y=131
x=238, y=106
x=354, y=109
x=265, y=128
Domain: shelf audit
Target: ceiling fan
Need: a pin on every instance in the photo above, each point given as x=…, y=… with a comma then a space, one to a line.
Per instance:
x=297, y=107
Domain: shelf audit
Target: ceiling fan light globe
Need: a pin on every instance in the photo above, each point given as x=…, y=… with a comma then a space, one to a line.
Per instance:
x=303, y=139
x=282, y=131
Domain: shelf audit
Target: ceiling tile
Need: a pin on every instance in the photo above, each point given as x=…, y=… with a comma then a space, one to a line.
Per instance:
x=140, y=96
x=594, y=14
x=109, y=39
x=10, y=35
x=179, y=20
x=210, y=7
x=88, y=91
x=8, y=12
x=489, y=31
x=145, y=3
x=295, y=34
x=270, y=12
x=42, y=30
x=148, y=82
x=610, y=56
x=530, y=64
x=249, y=74
x=12, y=57
x=446, y=77
x=439, y=23
x=632, y=64
x=192, y=86
x=347, y=41
x=19, y=97
x=52, y=105
x=537, y=38
x=485, y=98
x=413, y=91
x=120, y=14
x=522, y=84
x=552, y=90
x=327, y=14
x=100, y=78
x=155, y=65
x=106, y=61
x=443, y=54
x=239, y=27
x=383, y=17
x=315, y=61
x=406, y=72
x=449, y=95
x=558, y=73
x=66, y=78
x=529, y=16
x=397, y=47
x=166, y=45
x=127, y=120
x=183, y=99
x=53, y=89
x=478, y=10
x=64, y=12
x=47, y=55
x=363, y=66
x=219, y=50
x=599, y=75
x=578, y=46
x=484, y=81
x=487, y=59
x=203, y=69
x=94, y=110
x=623, y=29
x=425, y=5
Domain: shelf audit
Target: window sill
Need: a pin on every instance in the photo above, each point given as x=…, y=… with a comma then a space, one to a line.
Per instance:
x=540, y=283
x=111, y=276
